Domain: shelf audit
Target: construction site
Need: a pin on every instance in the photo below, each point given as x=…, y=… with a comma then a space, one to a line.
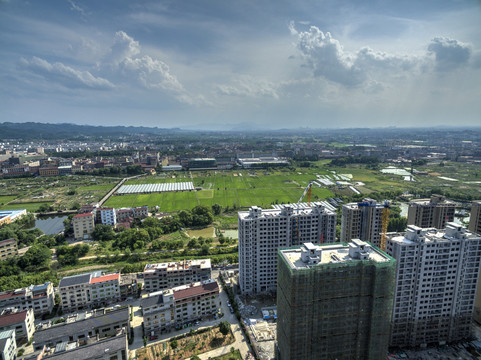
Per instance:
x=334, y=301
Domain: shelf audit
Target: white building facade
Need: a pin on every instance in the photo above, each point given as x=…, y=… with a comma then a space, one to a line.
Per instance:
x=262, y=232
x=437, y=273
x=108, y=216
x=164, y=310
x=164, y=275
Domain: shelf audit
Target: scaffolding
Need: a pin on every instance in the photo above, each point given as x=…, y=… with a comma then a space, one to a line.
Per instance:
x=335, y=310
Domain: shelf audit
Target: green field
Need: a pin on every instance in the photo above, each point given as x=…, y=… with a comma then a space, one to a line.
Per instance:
x=104, y=188
x=29, y=206
x=239, y=188
x=5, y=199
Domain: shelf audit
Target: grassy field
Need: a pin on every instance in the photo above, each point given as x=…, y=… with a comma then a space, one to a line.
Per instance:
x=32, y=207
x=239, y=188
x=5, y=199
x=61, y=192
x=235, y=188
x=208, y=232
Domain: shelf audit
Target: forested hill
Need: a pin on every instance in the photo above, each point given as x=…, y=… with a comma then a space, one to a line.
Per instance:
x=32, y=130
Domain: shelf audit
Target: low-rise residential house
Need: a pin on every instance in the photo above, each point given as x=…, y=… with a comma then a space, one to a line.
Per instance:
x=86, y=290
x=83, y=226
x=115, y=348
x=140, y=212
x=128, y=286
x=48, y=171
x=20, y=321
x=8, y=345
x=108, y=216
x=123, y=214
x=5, y=219
x=75, y=292
x=164, y=275
x=40, y=298
x=101, y=323
x=171, y=308
x=105, y=289
x=8, y=249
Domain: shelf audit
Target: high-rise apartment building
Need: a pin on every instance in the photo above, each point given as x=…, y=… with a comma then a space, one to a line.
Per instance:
x=436, y=276
x=475, y=219
x=362, y=221
x=431, y=213
x=262, y=232
x=334, y=301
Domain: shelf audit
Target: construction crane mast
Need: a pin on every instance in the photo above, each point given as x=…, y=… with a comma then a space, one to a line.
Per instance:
x=384, y=224
x=384, y=219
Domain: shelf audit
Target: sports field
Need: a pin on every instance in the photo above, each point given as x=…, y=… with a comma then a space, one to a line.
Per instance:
x=240, y=188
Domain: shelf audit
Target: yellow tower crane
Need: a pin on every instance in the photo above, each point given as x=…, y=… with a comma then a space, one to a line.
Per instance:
x=384, y=223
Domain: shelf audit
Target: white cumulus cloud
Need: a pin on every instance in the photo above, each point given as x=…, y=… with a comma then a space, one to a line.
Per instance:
x=125, y=60
x=325, y=56
x=124, y=47
x=151, y=73
x=65, y=75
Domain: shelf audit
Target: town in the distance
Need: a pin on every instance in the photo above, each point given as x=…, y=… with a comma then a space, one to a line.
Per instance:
x=145, y=243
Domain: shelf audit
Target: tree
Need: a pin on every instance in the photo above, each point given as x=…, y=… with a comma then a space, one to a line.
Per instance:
x=174, y=344
x=205, y=249
x=192, y=244
x=150, y=222
x=75, y=205
x=185, y=217
x=103, y=232
x=201, y=216
x=44, y=208
x=38, y=256
x=224, y=328
x=216, y=209
x=397, y=224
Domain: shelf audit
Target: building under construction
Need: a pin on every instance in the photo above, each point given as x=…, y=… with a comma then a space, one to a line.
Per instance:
x=334, y=301
x=434, y=212
x=366, y=220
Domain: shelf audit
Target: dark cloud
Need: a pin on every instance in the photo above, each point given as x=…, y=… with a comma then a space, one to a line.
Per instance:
x=449, y=54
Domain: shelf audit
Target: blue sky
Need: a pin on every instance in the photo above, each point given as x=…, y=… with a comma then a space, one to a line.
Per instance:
x=220, y=64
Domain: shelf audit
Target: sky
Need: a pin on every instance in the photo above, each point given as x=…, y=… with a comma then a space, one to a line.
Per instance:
x=250, y=64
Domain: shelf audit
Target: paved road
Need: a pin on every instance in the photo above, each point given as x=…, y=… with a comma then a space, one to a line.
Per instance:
x=240, y=340
x=119, y=184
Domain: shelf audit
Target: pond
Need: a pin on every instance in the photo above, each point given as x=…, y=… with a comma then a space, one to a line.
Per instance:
x=50, y=225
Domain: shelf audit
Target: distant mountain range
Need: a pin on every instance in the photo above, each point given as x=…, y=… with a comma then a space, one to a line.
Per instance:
x=65, y=131
x=32, y=130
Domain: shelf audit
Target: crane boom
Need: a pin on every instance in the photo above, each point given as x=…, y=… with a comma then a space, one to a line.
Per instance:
x=307, y=191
